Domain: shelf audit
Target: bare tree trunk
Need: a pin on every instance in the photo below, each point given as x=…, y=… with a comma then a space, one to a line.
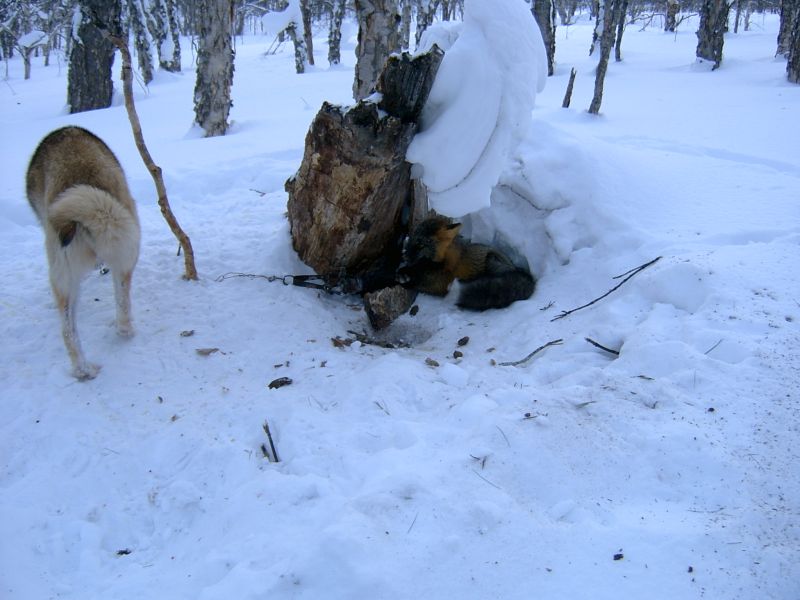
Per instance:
x=170, y=53
x=212, y=92
x=405, y=29
x=738, y=16
x=711, y=34
x=300, y=52
x=671, y=22
x=335, y=33
x=378, y=36
x=426, y=9
x=620, y=30
x=544, y=12
x=308, y=36
x=26, y=61
x=599, y=14
x=793, y=64
x=566, y=10
x=89, y=82
x=570, y=85
x=790, y=14
x=610, y=10
x=136, y=19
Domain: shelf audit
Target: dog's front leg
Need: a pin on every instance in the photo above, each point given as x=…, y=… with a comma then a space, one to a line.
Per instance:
x=81, y=368
x=122, y=296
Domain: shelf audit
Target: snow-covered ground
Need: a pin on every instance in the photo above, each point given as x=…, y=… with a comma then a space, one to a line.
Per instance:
x=668, y=472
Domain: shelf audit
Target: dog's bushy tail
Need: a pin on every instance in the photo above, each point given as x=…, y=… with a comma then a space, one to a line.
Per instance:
x=496, y=290
x=108, y=226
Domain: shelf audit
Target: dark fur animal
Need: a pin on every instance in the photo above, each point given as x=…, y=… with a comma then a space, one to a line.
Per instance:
x=77, y=188
x=435, y=255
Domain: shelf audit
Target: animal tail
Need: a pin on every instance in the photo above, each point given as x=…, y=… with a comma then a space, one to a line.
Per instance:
x=496, y=290
x=113, y=229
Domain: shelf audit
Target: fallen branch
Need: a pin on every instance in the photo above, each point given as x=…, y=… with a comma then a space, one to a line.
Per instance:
x=598, y=345
x=516, y=363
x=627, y=276
x=155, y=171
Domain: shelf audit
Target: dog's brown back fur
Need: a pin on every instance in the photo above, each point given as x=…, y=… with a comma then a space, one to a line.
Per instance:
x=72, y=156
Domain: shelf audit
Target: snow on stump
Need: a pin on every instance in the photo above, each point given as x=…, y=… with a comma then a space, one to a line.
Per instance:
x=347, y=200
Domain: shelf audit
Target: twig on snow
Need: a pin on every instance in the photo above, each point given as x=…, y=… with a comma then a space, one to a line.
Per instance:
x=516, y=363
x=494, y=485
x=713, y=347
x=627, y=276
x=598, y=345
x=272, y=453
x=412, y=523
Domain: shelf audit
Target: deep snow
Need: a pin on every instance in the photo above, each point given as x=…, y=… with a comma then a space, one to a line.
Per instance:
x=399, y=479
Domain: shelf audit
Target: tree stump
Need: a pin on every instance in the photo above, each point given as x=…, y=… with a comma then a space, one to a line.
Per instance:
x=349, y=202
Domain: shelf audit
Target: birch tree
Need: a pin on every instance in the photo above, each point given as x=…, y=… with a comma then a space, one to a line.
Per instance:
x=141, y=42
x=793, y=64
x=378, y=36
x=544, y=11
x=162, y=24
x=711, y=33
x=609, y=14
x=212, y=92
x=790, y=14
x=89, y=82
x=338, y=8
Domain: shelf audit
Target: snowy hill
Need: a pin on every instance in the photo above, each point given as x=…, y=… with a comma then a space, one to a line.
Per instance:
x=668, y=471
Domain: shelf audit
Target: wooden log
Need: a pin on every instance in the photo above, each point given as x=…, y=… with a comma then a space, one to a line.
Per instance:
x=349, y=201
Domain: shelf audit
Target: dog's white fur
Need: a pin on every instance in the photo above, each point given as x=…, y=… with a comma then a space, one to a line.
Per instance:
x=78, y=190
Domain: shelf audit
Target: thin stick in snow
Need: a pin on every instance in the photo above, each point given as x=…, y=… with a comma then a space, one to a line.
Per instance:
x=272, y=454
x=627, y=276
x=516, y=363
x=598, y=345
x=155, y=171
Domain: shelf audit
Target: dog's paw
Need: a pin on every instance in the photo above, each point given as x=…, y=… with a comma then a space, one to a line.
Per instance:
x=85, y=371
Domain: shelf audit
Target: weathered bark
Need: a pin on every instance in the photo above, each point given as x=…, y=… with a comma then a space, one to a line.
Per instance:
x=335, y=32
x=136, y=19
x=300, y=51
x=346, y=201
x=611, y=13
x=793, y=64
x=169, y=54
x=790, y=15
x=405, y=28
x=544, y=11
x=89, y=82
x=711, y=33
x=212, y=92
x=620, y=30
x=308, y=36
x=671, y=21
x=570, y=85
x=425, y=13
x=378, y=36
x=566, y=10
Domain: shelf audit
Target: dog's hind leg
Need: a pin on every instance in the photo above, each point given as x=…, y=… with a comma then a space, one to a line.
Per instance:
x=67, y=301
x=122, y=295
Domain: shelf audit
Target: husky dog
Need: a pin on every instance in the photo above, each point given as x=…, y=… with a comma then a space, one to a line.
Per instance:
x=77, y=188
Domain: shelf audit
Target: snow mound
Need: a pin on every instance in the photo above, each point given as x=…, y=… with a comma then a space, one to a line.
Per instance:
x=480, y=104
